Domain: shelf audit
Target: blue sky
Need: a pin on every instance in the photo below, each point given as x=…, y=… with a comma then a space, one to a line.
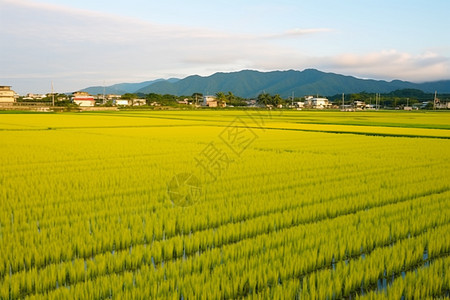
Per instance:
x=76, y=44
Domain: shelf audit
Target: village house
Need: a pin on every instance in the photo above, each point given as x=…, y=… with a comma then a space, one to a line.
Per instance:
x=123, y=102
x=210, y=101
x=83, y=99
x=316, y=102
x=129, y=102
x=139, y=102
x=299, y=104
x=31, y=96
x=112, y=97
x=184, y=101
x=359, y=105
x=444, y=105
x=251, y=102
x=7, y=95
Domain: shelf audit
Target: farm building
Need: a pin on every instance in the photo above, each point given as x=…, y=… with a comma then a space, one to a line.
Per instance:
x=299, y=104
x=184, y=101
x=31, y=96
x=444, y=105
x=359, y=105
x=112, y=97
x=122, y=101
x=316, y=102
x=6, y=94
x=129, y=102
x=210, y=101
x=139, y=102
x=83, y=99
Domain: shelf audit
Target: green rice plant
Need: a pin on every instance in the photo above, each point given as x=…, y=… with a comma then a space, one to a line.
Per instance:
x=319, y=205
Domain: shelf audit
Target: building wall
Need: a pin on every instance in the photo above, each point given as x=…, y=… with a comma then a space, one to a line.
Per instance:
x=320, y=102
x=7, y=95
x=121, y=102
x=84, y=102
x=83, y=99
x=112, y=97
x=209, y=100
x=212, y=104
x=139, y=102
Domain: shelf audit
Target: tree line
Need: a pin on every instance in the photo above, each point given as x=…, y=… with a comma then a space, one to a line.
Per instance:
x=396, y=98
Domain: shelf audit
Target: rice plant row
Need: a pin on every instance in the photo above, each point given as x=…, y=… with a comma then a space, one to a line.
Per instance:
x=86, y=213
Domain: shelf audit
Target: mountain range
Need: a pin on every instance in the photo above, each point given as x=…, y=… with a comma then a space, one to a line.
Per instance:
x=123, y=88
x=249, y=84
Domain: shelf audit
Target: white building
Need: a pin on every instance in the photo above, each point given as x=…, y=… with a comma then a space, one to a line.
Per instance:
x=121, y=102
x=6, y=94
x=129, y=102
x=83, y=99
x=31, y=96
x=359, y=104
x=184, y=101
x=112, y=97
x=316, y=102
x=443, y=105
x=139, y=102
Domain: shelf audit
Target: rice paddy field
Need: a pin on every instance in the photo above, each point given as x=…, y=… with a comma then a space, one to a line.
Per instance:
x=225, y=205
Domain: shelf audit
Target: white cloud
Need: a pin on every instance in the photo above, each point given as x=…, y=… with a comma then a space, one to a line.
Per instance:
x=79, y=48
x=54, y=41
x=297, y=32
x=392, y=64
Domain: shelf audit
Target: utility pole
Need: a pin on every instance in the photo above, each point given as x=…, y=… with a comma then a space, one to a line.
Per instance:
x=292, y=98
x=104, y=92
x=343, y=107
x=379, y=101
x=434, y=101
x=376, y=100
x=53, y=96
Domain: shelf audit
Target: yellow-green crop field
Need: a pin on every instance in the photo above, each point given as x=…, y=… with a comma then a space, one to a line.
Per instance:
x=225, y=204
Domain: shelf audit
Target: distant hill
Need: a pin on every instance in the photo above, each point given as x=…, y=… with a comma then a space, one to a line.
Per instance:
x=249, y=84
x=123, y=88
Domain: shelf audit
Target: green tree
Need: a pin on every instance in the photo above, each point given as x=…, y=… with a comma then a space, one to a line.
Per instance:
x=235, y=100
x=264, y=99
x=221, y=98
x=277, y=100
x=355, y=97
x=129, y=96
x=230, y=97
x=168, y=99
x=152, y=97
